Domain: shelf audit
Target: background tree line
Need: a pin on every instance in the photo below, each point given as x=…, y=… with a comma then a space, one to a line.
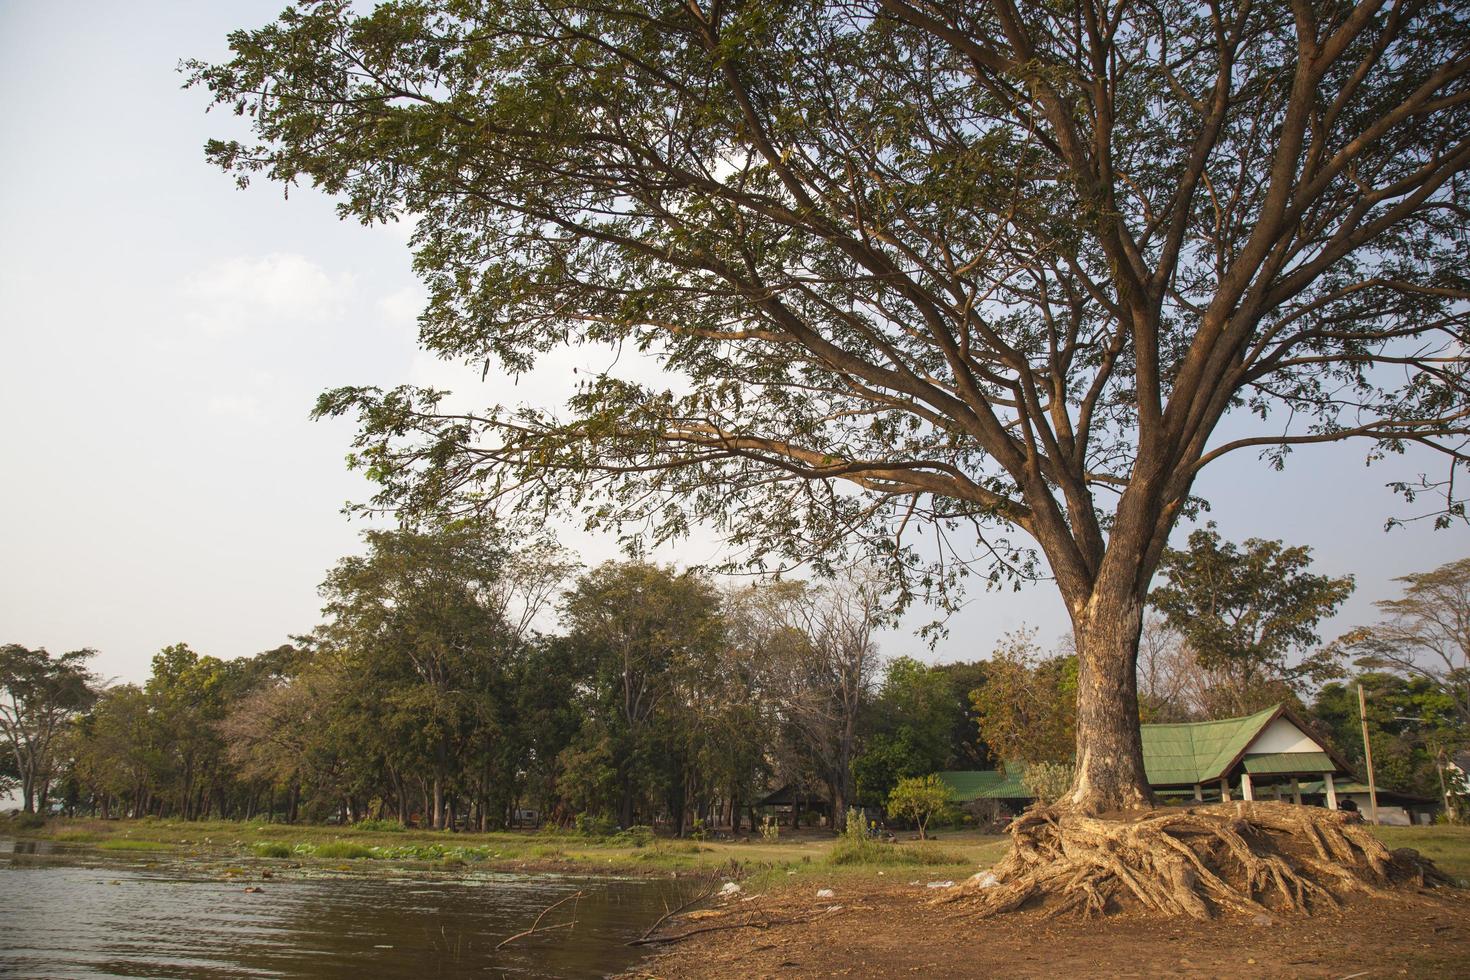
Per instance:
x=460, y=677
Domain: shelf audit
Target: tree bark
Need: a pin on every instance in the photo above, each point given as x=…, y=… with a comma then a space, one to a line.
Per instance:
x=1110, y=774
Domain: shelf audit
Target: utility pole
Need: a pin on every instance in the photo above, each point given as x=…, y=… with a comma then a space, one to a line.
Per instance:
x=1368, y=755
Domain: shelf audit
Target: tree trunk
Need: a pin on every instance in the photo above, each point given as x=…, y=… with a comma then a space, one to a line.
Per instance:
x=1110, y=773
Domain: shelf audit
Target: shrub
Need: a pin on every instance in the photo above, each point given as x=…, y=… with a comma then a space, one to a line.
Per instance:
x=381, y=826
x=1047, y=781
x=637, y=836
x=600, y=825
x=342, y=849
x=770, y=829
x=27, y=821
x=272, y=849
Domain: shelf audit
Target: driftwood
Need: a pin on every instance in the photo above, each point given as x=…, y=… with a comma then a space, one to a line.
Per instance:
x=1194, y=861
x=535, y=926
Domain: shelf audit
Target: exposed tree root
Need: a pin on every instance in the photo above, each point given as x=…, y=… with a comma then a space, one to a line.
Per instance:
x=1252, y=857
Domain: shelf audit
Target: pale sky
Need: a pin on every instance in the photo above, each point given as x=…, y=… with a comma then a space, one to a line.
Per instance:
x=163, y=337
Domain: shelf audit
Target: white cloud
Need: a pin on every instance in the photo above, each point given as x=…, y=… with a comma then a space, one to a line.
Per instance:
x=253, y=293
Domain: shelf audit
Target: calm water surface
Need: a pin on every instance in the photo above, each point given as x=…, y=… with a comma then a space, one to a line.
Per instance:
x=65, y=912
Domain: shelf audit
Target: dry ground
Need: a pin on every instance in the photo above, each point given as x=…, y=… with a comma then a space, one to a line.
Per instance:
x=892, y=929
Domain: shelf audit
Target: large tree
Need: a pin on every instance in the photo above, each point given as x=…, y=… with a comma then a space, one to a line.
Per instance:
x=982, y=264
x=40, y=694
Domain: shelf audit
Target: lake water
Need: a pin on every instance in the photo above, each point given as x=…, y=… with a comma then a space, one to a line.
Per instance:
x=67, y=912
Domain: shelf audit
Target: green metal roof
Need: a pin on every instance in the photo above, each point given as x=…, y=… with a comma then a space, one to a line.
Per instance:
x=1197, y=752
x=1287, y=763
x=985, y=784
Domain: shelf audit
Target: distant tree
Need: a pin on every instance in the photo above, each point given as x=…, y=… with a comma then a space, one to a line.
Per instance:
x=644, y=628
x=822, y=673
x=966, y=749
x=908, y=728
x=1412, y=723
x=1027, y=706
x=423, y=626
x=919, y=798
x=1426, y=633
x=1249, y=616
x=39, y=695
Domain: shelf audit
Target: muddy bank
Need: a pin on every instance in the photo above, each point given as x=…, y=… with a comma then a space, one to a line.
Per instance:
x=894, y=929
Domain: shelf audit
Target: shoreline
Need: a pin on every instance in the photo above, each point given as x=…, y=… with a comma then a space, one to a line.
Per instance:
x=897, y=930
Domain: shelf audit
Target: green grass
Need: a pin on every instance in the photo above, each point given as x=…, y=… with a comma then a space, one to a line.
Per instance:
x=1447, y=846
x=272, y=849
x=878, y=855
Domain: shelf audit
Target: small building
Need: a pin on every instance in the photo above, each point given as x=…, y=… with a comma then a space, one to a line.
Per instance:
x=1267, y=752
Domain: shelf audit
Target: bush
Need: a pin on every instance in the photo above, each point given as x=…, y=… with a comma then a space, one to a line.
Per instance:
x=273, y=849
x=638, y=836
x=381, y=826
x=342, y=849
x=27, y=821
x=770, y=829
x=596, y=826
x=1047, y=781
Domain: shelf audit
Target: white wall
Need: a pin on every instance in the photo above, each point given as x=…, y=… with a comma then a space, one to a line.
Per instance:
x=1282, y=736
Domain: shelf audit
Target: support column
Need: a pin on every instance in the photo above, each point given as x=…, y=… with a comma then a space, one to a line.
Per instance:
x=1224, y=791
x=1296, y=791
x=1331, y=790
x=1245, y=787
x=1199, y=796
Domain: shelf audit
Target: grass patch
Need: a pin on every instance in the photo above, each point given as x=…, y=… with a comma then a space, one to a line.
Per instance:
x=380, y=826
x=1447, y=846
x=272, y=849
x=850, y=851
x=77, y=837
x=342, y=849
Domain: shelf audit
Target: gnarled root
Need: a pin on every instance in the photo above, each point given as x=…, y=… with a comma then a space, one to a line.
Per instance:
x=1192, y=861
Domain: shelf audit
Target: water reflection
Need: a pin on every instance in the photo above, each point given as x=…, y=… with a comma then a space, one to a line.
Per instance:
x=117, y=920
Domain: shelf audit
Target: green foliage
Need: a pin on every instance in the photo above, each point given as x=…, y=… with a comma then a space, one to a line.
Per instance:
x=381, y=826
x=912, y=722
x=1250, y=616
x=1047, y=781
x=919, y=799
x=638, y=836
x=1412, y=723
x=1026, y=710
x=272, y=849
x=596, y=825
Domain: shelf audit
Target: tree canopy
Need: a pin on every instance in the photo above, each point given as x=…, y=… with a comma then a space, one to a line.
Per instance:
x=940, y=266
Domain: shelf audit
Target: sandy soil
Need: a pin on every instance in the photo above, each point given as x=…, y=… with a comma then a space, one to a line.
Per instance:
x=896, y=930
